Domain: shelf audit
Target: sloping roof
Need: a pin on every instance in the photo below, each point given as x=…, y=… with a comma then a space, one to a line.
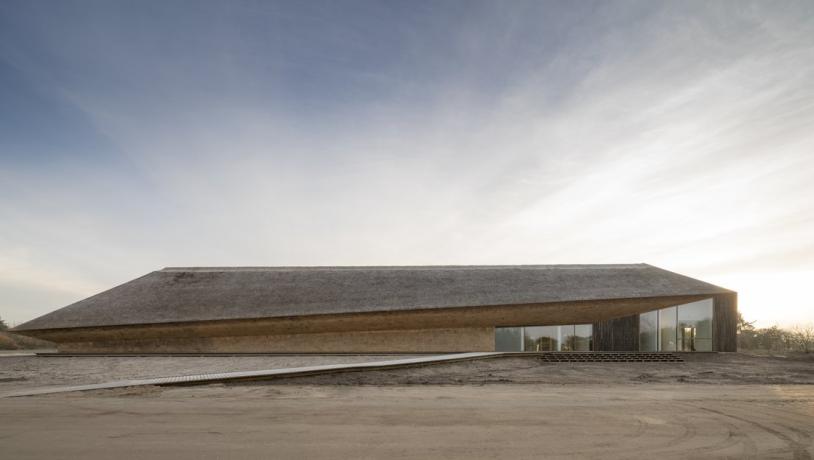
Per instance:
x=205, y=294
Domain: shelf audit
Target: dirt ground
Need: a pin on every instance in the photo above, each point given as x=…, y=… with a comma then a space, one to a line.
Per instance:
x=725, y=406
x=415, y=421
x=23, y=372
x=706, y=368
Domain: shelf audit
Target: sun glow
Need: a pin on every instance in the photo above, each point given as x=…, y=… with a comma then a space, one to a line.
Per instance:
x=777, y=298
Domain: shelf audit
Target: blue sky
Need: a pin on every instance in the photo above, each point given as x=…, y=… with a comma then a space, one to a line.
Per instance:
x=138, y=135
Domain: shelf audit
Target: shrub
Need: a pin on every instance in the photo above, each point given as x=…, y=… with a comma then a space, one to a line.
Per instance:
x=6, y=343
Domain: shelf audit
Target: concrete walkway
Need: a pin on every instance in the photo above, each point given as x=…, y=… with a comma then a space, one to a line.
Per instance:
x=258, y=375
x=13, y=353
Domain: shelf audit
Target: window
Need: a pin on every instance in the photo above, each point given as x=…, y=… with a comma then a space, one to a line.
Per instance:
x=541, y=338
x=508, y=339
x=685, y=327
x=695, y=326
x=544, y=338
x=667, y=329
x=567, y=338
x=583, y=337
x=649, y=331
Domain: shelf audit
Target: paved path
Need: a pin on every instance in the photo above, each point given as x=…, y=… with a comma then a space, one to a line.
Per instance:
x=11, y=353
x=255, y=375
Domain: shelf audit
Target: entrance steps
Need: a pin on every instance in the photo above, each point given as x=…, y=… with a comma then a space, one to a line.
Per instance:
x=609, y=357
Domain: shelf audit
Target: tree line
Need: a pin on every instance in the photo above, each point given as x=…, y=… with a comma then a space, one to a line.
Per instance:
x=798, y=338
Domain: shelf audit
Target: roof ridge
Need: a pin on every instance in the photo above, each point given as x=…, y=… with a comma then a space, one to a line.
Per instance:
x=400, y=267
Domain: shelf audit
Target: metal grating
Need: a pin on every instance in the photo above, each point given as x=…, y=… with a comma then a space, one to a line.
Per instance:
x=609, y=357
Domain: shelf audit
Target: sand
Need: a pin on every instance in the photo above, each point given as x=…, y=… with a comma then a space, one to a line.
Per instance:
x=427, y=421
x=727, y=406
x=23, y=372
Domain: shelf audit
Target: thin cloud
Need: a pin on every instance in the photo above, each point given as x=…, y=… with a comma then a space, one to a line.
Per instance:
x=674, y=134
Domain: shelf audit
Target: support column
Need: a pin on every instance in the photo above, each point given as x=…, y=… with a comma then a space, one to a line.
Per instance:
x=725, y=322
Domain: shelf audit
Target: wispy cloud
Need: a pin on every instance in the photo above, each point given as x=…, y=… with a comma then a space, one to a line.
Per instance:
x=676, y=134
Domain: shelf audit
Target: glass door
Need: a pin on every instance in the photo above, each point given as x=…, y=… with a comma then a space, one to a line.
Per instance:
x=688, y=338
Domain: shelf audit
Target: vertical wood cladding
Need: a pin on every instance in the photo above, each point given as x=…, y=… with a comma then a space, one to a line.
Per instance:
x=725, y=322
x=618, y=334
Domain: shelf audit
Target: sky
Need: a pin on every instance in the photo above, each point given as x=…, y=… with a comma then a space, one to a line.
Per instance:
x=139, y=135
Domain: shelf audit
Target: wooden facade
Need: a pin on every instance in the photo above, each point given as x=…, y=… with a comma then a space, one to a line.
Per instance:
x=618, y=334
x=725, y=322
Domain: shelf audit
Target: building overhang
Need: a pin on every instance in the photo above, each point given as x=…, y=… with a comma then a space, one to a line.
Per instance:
x=552, y=313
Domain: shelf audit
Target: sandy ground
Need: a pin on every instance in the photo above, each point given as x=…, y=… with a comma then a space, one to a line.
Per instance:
x=706, y=368
x=727, y=406
x=415, y=421
x=23, y=372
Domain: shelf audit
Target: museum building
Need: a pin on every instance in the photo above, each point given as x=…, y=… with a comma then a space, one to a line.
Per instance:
x=400, y=309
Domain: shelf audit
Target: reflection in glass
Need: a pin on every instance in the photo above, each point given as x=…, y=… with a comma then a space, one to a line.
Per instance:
x=567, y=338
x=649, y=331
x=695, y=326
x=685, y=327
x=540, y=338
x=667, y=329
x=583, y=337
x=508, y=339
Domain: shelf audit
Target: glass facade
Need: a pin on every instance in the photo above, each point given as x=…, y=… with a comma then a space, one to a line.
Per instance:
x=583, y=337
x=544, y=338
x=649, y=331
x=685, y=327
x=695, y=326
x=541, y=338
x=508, y=339
x=667, y=329
x=567, y=338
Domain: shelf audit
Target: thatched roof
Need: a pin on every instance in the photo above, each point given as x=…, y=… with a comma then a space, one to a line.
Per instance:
x=204, y=294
